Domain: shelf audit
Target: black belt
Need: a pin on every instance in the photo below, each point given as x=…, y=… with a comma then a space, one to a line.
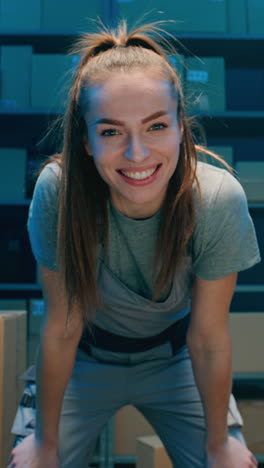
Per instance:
x=176, y=334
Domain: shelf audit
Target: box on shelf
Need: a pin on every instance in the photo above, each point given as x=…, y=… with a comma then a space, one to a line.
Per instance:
x=237, y=16
x=13, y=304
x=205, y=84
x=69, y=15
x=255, y=10
x=251, y=176
x=151, y=453
x=248, y=345
x=12, y=174
x=20, y=15
x=226, y=153
x=51, y=75
x=204, y=16
x=16, y=63
x=178, y=62
x=252, y=412
x=129, y=424
x=12, y=366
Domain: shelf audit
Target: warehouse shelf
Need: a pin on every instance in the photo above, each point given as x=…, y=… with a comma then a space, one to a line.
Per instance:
x=20, y=291
x=231, y=46
x=232, y=123
x=28, y=128
x=36, y=121
x=13, y=111
x=249, y=288
x=27, y=201
x=33, y=290
x=22, y=202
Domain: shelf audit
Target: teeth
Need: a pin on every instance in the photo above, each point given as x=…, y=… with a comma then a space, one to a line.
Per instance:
x=139, y=175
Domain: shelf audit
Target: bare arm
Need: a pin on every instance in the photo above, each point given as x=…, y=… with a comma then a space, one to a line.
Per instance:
x=56, y=357
x=210, y=349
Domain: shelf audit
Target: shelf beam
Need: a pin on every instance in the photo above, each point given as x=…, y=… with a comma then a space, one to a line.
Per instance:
x=230, y=46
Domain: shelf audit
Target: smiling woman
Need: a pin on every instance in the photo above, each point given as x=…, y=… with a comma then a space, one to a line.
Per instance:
x=134, y=138
x=139, y=246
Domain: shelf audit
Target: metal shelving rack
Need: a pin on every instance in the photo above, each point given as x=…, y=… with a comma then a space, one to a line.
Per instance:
x=237, y=49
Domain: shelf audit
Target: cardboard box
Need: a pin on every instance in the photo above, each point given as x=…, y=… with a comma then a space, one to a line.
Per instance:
x=20, y=15
x=178, y=62
x=12, y=182
x=226, y=153
x=20, y=307
x=129, y=425
x=205, y=84
x=16, y=63
x=51, y=76
x=13, y=304
x=204, y=16
x=251, y=177
x=255, y=16
x=12, y=365
x=253, y=430
x=151, y=453
x=69, y=15
x=237, y=16
x=248, y=344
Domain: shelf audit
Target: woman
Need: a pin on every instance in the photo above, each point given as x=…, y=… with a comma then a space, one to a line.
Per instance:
x=139, y=248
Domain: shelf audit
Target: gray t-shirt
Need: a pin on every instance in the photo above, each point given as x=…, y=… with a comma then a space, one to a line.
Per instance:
x=223, y=241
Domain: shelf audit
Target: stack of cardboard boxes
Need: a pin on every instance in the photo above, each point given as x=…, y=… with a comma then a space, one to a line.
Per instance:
x=47, y=15
x=248, y=350
x=13, y=330
x=205, y=16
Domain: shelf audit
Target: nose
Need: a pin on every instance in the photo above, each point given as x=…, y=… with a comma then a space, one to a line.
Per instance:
x=136, y=150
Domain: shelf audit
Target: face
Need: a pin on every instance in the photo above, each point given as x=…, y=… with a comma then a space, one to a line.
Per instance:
x=134, y=137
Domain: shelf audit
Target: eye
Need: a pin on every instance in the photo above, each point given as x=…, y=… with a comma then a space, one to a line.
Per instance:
x=158, y=126
x=109, y=132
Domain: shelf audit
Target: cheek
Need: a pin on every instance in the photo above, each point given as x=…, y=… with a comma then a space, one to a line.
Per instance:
x=172, y=147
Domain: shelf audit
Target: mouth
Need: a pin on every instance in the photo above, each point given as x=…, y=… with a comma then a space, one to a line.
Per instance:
x=139, y=175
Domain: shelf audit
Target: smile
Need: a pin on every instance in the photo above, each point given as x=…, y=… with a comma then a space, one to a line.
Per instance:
x=139, y=175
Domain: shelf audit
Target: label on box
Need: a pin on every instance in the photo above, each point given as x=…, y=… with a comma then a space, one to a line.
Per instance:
x=197, y=75
x=8, y=104
x=37, y=307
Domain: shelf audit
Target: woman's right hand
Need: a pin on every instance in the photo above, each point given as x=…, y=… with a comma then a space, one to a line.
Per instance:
x=29, y=454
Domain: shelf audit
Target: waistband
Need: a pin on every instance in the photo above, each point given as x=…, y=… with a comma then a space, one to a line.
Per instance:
x=100, y=338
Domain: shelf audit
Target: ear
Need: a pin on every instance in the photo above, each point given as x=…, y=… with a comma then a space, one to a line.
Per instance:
x=87, y=146
x=181, y=130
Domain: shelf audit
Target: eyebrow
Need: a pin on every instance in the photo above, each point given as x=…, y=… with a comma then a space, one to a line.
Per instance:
x=119, y=122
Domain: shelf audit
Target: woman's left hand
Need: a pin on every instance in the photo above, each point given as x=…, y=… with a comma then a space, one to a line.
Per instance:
x=233, y=454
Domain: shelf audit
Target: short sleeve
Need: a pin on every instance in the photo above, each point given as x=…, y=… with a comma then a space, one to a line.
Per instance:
x=43, y=217
x=224, y=240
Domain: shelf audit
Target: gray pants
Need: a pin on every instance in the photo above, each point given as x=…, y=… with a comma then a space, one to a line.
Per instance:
x=161, y=386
